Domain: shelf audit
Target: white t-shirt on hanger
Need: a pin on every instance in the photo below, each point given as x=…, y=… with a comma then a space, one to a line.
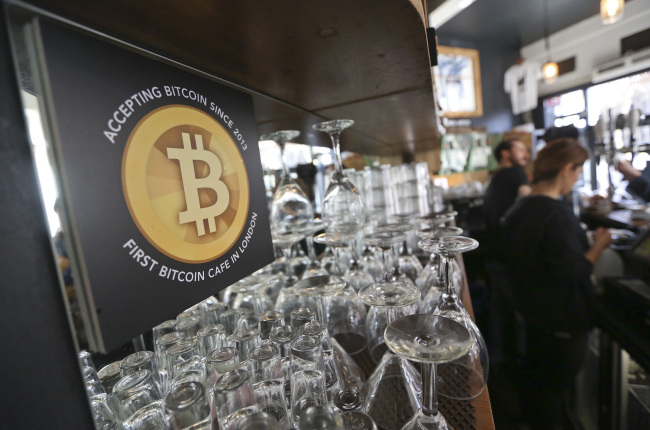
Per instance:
x=520, y=81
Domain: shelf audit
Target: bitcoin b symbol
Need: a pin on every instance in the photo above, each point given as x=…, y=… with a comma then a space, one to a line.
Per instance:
x=191, y=184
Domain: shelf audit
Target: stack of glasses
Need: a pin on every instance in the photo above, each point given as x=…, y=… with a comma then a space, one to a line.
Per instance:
x=283, y=349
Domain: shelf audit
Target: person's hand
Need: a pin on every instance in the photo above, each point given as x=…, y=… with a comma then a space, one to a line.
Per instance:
x=602, y=238
x=629, y=172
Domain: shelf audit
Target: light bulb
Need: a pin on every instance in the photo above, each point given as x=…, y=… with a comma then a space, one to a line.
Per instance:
x=611, y=10
x=550, y=71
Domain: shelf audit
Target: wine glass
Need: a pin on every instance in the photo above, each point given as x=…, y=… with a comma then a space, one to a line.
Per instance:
x=336, y=241
x=399, y=228
x=431, y=341
x=394, y=381
x=314, y=268
x=431, y=282
x=408, y=262
x=320, y=287
x=356, y=275
x=291, y=209
x=434, y=220
x=473, y=367
x=343, y=209
x=285, y=241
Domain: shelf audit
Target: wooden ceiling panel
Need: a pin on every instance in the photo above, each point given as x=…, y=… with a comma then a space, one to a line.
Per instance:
x=327, y=58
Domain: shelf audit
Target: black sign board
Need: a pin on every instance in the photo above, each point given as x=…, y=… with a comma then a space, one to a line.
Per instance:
x=162, y=177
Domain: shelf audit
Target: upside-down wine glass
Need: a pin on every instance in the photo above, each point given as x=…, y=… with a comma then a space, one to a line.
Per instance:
x=314, y=268
x=403, y=228
x=408, y=262
x=431, y=341
x=433, y=283
x=472, y=368
x=432, y=270
x=392, y=391
x=291, y=210
x=343, y=209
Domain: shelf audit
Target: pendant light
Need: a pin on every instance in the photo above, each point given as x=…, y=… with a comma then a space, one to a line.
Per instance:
x=611, y=10
x=550, y=70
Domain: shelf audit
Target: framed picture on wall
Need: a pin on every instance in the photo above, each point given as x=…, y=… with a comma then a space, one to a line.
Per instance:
x=458, y=82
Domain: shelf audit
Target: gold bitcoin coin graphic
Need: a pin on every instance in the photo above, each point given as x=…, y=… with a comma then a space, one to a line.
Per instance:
x=185, y=184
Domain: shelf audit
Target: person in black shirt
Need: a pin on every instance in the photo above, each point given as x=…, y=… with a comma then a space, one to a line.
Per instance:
x=507, y=184
x=550, y=263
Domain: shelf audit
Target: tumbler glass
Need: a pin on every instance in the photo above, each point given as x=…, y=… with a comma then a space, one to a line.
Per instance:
x=135, y=391
x=302, y=316
x=234, y=398
x=268, y=321
x=220, y=361
x=244, y=341
x=187, y=406
x=210, y=338
x=308, y=386
x=189, y=327
x=182, y=357
x=257, y=421
x=149, y=417
x=141, y=360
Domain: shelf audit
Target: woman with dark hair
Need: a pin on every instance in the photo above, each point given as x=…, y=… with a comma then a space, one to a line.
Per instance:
x=550, y=263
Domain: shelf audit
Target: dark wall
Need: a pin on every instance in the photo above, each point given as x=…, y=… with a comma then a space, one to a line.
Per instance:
x=495, y=60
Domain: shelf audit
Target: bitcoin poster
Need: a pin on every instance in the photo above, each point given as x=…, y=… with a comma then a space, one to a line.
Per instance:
x=161, y=179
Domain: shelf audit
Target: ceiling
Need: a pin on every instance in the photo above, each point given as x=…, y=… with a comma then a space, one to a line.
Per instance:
x=513, y=23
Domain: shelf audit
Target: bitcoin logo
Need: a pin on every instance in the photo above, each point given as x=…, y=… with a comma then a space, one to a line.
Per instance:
x=185, y=184
x=191, y=184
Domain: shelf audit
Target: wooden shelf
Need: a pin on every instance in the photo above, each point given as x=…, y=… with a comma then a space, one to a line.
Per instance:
x=302, y=61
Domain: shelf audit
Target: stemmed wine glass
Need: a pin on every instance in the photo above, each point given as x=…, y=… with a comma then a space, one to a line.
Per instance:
x=432, y=284
x=314, y=268
x=431, y=341
x=473, y=367
x=291, y=209
x=408, y=262
x=399, y=228
x=395, y=381
x=343, y=209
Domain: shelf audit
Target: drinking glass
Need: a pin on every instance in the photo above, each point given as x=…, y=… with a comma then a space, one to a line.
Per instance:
x=320, y=288
x=189, y=327
x=211, y=337
x=371, y=264
x=394, y=381
x=149, y=417
x=431, y=341
x=234, y=398
x=265, y=368
x=230, y=320
x=268, y=321
x=473, y=367
x=187, y=406
x=109, y=375
x=347, y=320
x=384, y=241
x=402, y=228
x=257, y=421
x=218, y=362
x=244, y=341
x=291, y=210
x=318, y=330
x=182, y=357
x=135, y=391
x=431, y=280
x=357, y=420
x=320, y=417
x=103, y=410
x=308, y=386
x=343, y=209
x=189, y=376
x=302, y=316
x=335, y=241
x=285, y=241
x=281, y=337
x=314, y=268
x=141, y=360
x=210, y=313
